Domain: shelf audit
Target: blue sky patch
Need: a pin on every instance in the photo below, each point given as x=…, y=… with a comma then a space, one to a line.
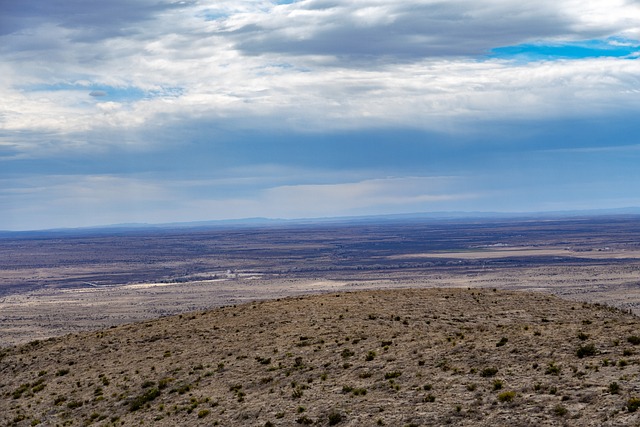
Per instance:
x=611, y=47
x=107, y=93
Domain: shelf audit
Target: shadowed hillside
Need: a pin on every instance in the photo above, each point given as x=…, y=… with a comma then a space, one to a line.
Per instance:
x=416, y=357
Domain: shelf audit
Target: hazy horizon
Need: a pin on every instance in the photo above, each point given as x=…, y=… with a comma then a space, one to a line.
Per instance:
x=162, y=112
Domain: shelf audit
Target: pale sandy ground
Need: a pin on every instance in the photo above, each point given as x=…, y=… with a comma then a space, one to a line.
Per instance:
x=507, y=252
x=44, y=313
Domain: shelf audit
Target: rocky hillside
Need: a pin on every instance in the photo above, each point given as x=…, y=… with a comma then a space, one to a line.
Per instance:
x=396, y=358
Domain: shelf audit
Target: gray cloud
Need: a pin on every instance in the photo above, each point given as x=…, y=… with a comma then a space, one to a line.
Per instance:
x=405, y=29
x=96, y=18
x=97, y=93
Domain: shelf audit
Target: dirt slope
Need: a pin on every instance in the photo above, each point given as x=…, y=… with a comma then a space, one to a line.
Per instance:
x=418, y=357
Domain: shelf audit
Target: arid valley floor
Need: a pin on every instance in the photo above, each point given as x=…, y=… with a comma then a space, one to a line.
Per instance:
x=230, y=336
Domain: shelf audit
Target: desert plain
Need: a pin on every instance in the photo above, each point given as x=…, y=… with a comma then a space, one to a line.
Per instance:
x=529, y=321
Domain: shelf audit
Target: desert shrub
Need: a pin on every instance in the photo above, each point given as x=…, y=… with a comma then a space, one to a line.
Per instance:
x=502, y=342
x=359, y=391
x=347, y=389
x=614, y=388
x=62, y=372
x=148, y=384
x=263, y=360
x=164, y=382
x=497, y=384
x=634, y=339
x=304, y=420
x=633, y=404
x=507, y=396
x=203, y=413
x=347, y=353
x=582, y=336
x=553, y=369
x=335, y=418
x=392, y=374
x=427, y=387
x=147, y=396
x=74, y=404
x=370, y=356
x=488, y=372
x=560, y=410
x=430, y=398
x=586, y=350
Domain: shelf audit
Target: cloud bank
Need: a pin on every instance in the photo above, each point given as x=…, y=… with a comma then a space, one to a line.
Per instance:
x=156, y=82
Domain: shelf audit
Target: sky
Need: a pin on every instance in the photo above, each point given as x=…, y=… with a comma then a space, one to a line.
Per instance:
x=148, y=111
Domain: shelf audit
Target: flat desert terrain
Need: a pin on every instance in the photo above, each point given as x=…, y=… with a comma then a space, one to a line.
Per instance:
x=52, y=283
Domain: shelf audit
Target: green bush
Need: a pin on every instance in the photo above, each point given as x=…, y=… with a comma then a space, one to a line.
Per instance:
x=634, y=339
x=488, y=372
x=507, y=396
x=392, y=374
x=586, y=350
x=614, y=388
x=560, y=410
x=633, y=404
x=335, y=418
x=139, y=401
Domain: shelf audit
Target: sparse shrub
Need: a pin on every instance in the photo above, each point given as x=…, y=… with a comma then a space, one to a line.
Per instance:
x=139, y=401
x=62, y=372
x=633, y=404
x=263, y=361
x=148, y=384
x=582, y=336
x=430, y=398
x=347, y=353
x=471, y=387
x=359, y=391
x=553, y=369
x=370, y=356
x=427, y=387
x=74, y=404
x=634, y=339
x=586, y=350
x=335, y=418
x=560, y=410
x=507, y=396
x=203, y=413
x=622, y=363
x=497, y=384
x=163, y=383
x=304, y=420
x=614, y=388
x=391, y=375
x=502, y=342
x=488, y=372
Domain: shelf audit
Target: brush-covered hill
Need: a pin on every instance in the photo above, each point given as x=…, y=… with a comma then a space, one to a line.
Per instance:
x=418, y=357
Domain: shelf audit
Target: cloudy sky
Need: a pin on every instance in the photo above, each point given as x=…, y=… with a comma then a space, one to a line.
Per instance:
x=154, y=111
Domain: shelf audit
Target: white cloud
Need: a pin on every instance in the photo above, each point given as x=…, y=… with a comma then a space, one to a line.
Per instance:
x=311, y=65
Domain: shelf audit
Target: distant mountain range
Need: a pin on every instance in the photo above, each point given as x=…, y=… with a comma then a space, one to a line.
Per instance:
x=267, y=222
